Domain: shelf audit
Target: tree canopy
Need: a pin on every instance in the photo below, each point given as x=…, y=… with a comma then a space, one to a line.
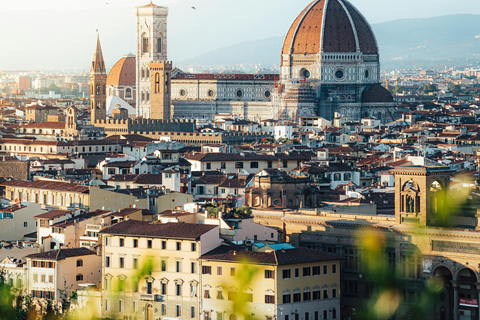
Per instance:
x=428, y=88
x=455, y=89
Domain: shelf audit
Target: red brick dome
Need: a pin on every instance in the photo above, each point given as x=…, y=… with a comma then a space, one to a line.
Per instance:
x=123, y=72
x=376, y=94
x=330, y=26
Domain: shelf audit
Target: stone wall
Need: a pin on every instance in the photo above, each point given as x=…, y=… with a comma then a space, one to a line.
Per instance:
x=195, y=138
x=18, y=170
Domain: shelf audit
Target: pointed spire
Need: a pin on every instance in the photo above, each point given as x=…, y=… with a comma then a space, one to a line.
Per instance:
x=98, y=65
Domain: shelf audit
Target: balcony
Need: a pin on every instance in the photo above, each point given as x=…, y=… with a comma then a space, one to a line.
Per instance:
x=151, y=297
x=88, y=238
x=93, y=227
x=147, y=297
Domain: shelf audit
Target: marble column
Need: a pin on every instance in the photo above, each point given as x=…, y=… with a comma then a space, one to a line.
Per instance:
x=455, y=299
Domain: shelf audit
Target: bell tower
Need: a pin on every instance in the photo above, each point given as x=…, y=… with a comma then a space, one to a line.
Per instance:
x=151, y=46
x=420, y=193
x=71, y=123
x=161, y=73
x=98, y=86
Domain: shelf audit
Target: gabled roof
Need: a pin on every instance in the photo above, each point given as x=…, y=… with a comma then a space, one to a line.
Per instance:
x=47, y=185
x=233, y=181
x=44, y=125
x=53, y=214
x=120, y=164
x=60, y=254
x=169, y=230
x=278, y=257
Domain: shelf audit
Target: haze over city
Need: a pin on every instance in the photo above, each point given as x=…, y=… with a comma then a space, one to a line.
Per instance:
x=58, y=34
x=240, y=160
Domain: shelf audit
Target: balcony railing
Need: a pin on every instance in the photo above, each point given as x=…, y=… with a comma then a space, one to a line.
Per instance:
x=93, y=227
x=147, y=297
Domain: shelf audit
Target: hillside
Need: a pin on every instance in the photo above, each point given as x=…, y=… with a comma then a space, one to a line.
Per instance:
x=447, y=40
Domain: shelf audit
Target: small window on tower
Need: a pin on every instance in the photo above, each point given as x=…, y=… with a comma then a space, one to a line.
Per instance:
x=157, y=83
x=159, y=45
x=97, y=90
x=144, y=44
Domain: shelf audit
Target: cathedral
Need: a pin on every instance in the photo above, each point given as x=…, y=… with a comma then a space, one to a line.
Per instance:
x=330, y=63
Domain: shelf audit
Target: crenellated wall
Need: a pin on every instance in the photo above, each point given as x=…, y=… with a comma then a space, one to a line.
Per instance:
x=192, y=138
x=146, y=125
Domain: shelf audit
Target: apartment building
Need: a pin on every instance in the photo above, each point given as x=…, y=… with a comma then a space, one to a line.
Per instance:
x=250, y=162
x=55, y=274
x=70, y=228
x=69, y=196
x=168, y=253
x=17, y=220
x=286, y=283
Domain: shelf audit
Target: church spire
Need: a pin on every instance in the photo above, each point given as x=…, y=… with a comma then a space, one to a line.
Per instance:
x=98, y=65
x=98, y=84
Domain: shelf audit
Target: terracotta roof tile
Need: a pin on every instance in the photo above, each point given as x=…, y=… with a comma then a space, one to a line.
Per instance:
x=61, y=254
x=53, y=214
x=168, y=230
x=47, y=185
x=45, y=125
x=279, y=257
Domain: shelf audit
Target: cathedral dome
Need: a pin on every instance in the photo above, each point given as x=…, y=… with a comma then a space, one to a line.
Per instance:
x=123, y=72
x=376, y=94
x=330, y=26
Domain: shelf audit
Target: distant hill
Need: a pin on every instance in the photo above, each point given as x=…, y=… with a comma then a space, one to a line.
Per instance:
x=447, y=40
x=265, y=51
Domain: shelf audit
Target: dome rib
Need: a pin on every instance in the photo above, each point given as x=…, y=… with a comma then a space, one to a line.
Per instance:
x=288, y=45
x=366, y=37
x=338, y=36
x=330, y=26
x=354, y=28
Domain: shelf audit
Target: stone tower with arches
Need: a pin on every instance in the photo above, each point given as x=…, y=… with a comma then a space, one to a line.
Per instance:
x=151, y=46
x=419, y=194
x=98, y=83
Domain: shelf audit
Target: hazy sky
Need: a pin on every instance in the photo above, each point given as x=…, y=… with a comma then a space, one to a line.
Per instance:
x=61, y=33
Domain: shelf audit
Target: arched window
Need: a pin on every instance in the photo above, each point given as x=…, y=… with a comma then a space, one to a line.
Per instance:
x=128, y=93
x=157, y=83
x=143, y=96
x=147, y=71
x=145, y=43
x=143, y=73
x=148, y=96
x=159, y=45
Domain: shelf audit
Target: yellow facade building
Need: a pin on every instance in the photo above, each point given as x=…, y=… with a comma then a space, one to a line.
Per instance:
x=287, y=284
x=170, y=288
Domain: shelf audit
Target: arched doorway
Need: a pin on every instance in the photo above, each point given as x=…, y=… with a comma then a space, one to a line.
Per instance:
x=444, y=303
x=149, y=312
x=467, y=294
